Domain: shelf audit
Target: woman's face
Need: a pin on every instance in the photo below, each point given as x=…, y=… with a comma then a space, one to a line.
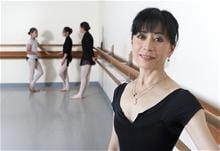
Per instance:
x=34, y=34
x=151, y=49
x=81, y=30
x=65, y=34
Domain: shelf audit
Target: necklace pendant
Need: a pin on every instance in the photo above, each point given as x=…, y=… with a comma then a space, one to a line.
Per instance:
x=134, y=94
x=135, y=101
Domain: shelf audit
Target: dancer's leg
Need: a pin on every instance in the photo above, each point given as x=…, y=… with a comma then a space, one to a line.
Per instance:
x=32, y=64
x=62, y=74
x=67, y=78
x=39, y=73
x=88, y=77
x=85, y=69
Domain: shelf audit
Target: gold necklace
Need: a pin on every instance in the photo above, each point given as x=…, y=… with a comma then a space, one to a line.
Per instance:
x=135, y=94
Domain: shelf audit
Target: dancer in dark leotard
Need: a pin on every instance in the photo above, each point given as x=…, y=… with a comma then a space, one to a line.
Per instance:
x=67, y=58
x=87, y=59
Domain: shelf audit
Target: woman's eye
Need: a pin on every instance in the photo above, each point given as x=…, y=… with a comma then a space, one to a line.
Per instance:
x=141, y=36
x=158, y=39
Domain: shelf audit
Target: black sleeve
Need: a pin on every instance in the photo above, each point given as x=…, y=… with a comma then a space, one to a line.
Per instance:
x=117, y=95
x=67, y=47
x=185, y=107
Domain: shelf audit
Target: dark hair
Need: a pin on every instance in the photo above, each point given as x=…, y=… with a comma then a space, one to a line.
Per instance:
x=32, y=29
x=85, y=26
x=150, y=18
x=68, y=29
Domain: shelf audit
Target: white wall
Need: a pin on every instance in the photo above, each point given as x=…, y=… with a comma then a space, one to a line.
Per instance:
x=49, y=18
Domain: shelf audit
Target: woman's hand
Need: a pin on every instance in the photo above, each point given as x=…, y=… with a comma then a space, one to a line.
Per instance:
x=62, y=62
x=64, y=59
x=47, y=53
x=94, y=59
x=59, y=53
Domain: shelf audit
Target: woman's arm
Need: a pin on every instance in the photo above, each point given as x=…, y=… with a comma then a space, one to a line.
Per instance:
x=60, y=53
x=43, y=49
x=198, y=130
x=29, y=50
x=113, y=144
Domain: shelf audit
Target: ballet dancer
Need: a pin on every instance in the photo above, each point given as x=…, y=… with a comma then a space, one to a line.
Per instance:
x=67, y=58
x=87, y=60
x=33, y=60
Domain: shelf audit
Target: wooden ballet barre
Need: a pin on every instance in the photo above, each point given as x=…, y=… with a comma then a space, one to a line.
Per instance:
x=109, y=73
x=22, y=54
x=181, y=146
x=131, y=72
x=210, y=108
x=212, y=113
x=44, y=45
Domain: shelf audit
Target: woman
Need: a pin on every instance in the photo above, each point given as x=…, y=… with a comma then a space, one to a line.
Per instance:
x=67, y=58
x=87, y=59
x=32, y=59
x=151, y=111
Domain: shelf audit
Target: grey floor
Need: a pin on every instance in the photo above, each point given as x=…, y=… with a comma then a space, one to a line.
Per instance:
x=50, y=120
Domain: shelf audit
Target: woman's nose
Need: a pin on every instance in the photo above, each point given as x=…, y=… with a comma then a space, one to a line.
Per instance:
x=148, y=45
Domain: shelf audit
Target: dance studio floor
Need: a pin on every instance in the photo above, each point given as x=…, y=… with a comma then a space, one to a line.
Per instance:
x=50, y=120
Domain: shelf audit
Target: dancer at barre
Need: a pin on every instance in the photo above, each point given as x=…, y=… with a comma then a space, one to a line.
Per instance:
x=67, y=58
x=32, y=59
x=87, y=59
x=152, y=111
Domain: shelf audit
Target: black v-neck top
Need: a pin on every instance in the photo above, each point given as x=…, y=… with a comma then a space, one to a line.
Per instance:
x=158, y=128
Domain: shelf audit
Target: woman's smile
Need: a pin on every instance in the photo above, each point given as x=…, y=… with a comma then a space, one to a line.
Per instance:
x=146, y=57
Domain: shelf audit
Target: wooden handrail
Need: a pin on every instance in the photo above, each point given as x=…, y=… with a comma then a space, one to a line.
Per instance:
x=109, y=73
x=181, y=146
x=44, y=45
x=53, y=54
x=22, y=54
x=132, y=73
x=210, y=108
x=212, y=113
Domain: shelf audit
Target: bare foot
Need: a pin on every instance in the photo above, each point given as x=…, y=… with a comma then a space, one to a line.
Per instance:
x=36, y=90
x=77, y=96
x=33, y=89
x=64, y=89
